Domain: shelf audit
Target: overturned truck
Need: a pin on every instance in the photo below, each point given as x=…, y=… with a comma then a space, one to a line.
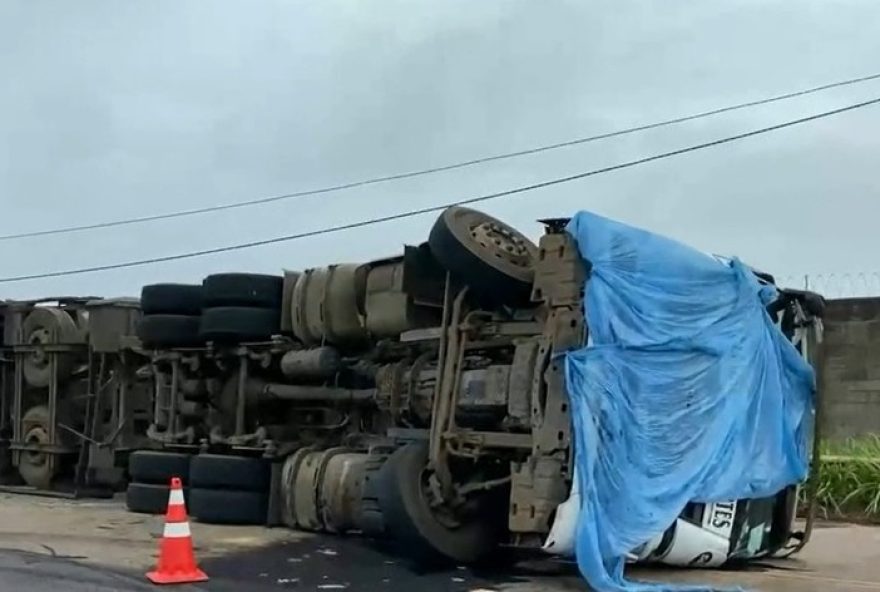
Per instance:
x=75, y=393
x=419, y=397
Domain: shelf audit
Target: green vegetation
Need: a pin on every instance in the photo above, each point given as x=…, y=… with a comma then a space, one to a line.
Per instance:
x=849, y=479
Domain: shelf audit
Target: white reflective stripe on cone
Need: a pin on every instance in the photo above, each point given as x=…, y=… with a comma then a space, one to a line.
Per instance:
x=176, y=530
x=175, y=498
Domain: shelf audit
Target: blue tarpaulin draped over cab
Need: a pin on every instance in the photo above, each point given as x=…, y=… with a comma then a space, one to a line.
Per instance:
x=687, y=392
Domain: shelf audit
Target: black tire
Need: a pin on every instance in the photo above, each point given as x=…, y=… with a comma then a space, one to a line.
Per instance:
x=493, y=259
x=145, y=498
x=243, y=289
x=214, y=471
x=175, y=299
x=167, y=330
x=215, y=506
x=410, y=523
x=235, y=324
x=147, y=466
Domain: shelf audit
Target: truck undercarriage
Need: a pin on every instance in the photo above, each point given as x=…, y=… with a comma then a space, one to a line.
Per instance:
x=420, y=398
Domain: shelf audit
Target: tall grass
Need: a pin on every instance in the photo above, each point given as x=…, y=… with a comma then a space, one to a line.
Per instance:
x=849, y=479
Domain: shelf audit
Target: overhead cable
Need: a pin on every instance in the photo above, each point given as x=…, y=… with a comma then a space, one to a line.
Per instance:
x=439, y=207
x=431, y=170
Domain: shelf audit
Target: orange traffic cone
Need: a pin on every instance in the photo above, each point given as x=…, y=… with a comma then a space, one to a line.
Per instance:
x=177, y=563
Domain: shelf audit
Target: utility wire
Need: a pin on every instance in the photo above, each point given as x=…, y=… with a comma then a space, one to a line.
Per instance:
x=426, y=210
x=432, y=170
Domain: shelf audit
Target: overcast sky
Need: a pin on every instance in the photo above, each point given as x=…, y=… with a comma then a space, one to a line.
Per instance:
x=117, y=109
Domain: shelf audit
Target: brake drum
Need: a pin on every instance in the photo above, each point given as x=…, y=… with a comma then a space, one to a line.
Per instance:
x=49, y=326
x=341, y=489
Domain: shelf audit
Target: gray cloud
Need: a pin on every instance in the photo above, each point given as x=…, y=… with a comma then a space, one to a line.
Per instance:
x=117, y=109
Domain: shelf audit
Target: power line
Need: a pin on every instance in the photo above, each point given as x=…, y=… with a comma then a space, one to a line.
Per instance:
x=426, y=210
x=432, y=170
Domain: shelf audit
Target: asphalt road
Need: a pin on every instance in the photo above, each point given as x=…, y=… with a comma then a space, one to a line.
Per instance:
x=50, y=545
x=320, y=563
x=35, y=572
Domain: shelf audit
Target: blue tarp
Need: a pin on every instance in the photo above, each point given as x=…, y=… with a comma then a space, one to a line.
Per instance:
x=687, y=392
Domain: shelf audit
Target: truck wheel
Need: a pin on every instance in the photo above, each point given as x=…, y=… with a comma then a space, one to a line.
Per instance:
x=176, y=299
x=147, y=498
x=235, y=324
x=33, y=466
x=215, y=471
x=243, y=289
x=412, y=524
x=151, y=467
x=494, y=259
x=168, y=330
x=215, y=506
x=46, y=326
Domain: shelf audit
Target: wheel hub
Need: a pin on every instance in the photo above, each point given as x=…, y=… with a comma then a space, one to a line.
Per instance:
x=433, y=498
x=502, y=243
x=36, y=435
x=39, y=337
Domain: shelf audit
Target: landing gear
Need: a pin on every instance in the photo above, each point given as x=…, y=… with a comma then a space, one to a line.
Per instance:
x=425, y=529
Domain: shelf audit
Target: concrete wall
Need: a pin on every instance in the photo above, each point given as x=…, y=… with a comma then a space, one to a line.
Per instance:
x=852, y=369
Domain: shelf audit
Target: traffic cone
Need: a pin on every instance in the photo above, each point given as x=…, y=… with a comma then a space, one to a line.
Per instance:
x=177, y=563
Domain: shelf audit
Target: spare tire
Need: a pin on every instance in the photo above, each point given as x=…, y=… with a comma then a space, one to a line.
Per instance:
x=177, y=299
x=495, y=260
x=235, y=324
x=243, y=289
x=168, y=330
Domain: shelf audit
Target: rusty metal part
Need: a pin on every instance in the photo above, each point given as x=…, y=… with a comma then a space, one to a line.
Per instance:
x=393, y=393
x=405, y=392
x=560, y=272
x=444, y=398
x=537, y=489
x=542, y=482
x=522, y=375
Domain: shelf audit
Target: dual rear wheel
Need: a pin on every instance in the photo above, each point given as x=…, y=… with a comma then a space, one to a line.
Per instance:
x=218, y=489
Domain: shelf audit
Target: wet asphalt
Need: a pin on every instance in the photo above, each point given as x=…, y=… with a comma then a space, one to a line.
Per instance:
x=319, y=564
